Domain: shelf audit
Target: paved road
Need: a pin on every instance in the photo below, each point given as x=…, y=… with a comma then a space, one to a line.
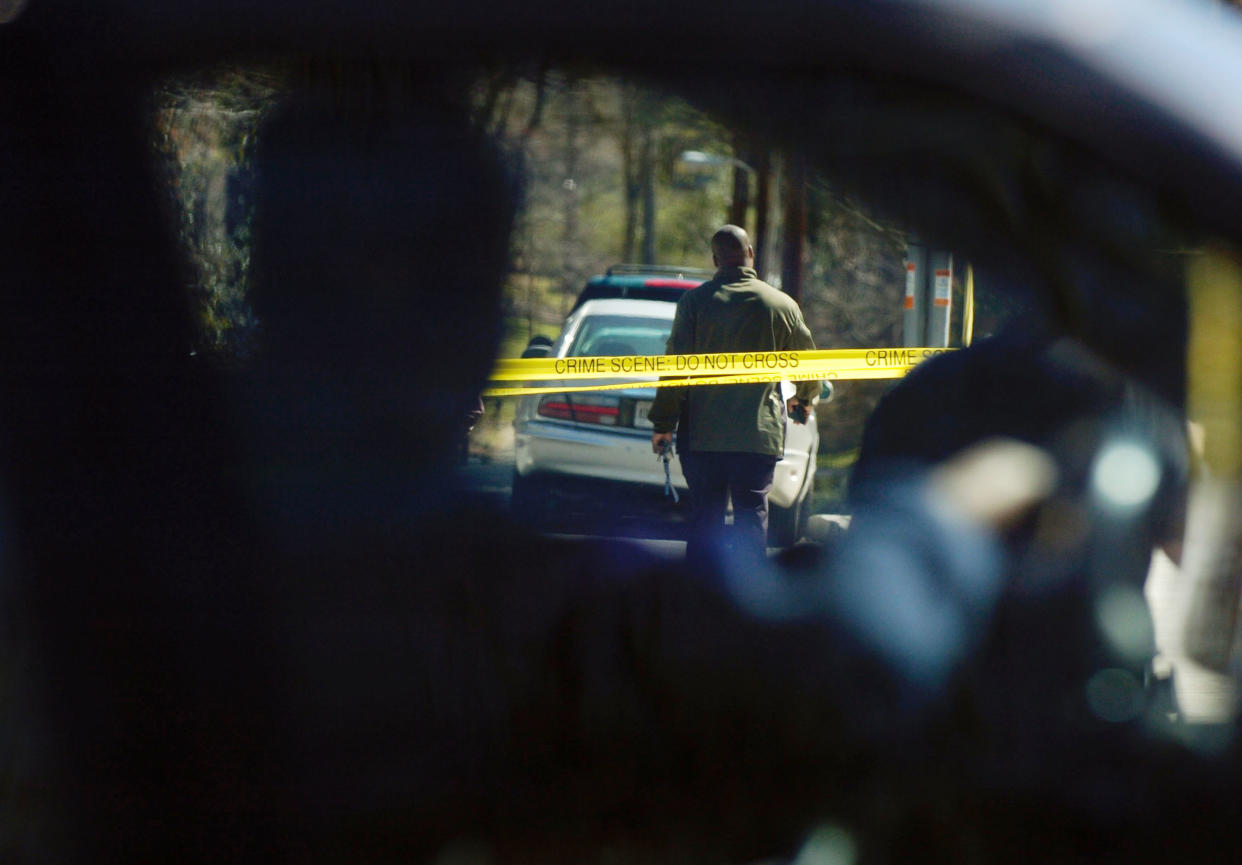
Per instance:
x=492, y=482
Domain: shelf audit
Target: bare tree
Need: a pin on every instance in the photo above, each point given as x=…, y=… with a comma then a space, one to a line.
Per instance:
x=852, y=297
x=570, y=238
x=205, y=133
x=647, y=179
x=631, y=183
x=739, y=202
x=763, y=203
x=794, y=234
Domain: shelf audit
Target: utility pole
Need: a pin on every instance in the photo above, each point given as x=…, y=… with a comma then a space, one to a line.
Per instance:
x=929, y=295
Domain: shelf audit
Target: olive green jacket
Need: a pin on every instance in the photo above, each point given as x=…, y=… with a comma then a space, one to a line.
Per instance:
x=734, y=311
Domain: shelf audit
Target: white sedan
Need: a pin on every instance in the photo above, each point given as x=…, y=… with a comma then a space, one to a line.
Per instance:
x=596, y=441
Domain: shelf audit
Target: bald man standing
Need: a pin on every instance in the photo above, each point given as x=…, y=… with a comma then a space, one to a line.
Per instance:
x=736, y=433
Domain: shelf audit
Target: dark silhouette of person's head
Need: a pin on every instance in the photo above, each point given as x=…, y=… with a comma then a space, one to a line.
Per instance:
x=731, y=247
x=380, y=239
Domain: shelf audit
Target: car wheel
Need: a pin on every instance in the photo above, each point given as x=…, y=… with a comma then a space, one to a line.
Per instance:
x=786, y=525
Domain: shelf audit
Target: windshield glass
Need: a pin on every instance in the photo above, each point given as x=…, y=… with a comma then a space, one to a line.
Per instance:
x=604, y=335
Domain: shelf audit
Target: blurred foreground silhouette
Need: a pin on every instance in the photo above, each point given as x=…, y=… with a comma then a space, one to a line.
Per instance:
x=251, y=618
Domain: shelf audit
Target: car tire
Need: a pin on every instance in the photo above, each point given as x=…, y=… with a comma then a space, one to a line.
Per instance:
x=786, y=525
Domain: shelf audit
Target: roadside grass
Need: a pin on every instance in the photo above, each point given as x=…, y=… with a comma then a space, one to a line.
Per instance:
x=839, y=460
x=832, y=471
x=532, y=305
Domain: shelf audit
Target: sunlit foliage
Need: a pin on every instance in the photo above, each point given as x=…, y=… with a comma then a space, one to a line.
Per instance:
x=205, y=129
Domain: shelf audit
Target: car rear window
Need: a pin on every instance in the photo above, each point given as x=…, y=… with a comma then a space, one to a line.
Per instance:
x=603, y=335
x=655, y=289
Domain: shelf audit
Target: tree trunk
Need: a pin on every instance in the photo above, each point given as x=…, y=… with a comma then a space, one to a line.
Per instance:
x=629, y=171
x=630, y=239
x=647, y=170
x=792, y=249
x=569, y=247
x=763, y=201
x=741, y=187
x=527, y=254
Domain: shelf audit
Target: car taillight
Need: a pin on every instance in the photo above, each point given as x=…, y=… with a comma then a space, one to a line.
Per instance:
x=583, y=408
x=671, y=283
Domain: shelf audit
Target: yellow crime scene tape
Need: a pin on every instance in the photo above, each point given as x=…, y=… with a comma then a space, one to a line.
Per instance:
x=683, y=370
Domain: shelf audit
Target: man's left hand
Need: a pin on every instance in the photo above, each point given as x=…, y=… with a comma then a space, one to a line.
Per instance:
x=659, y=441
x=793, y=403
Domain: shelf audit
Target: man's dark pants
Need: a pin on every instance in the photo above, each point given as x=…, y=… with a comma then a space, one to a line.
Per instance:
x=713, y=476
